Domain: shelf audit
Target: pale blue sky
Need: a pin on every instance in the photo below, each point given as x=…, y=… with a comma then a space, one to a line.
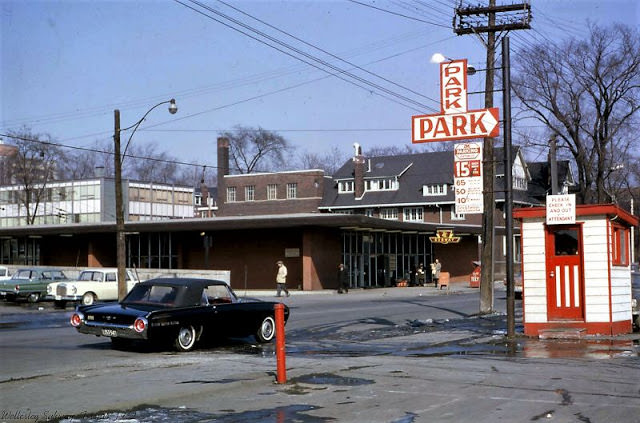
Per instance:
x=67, y=64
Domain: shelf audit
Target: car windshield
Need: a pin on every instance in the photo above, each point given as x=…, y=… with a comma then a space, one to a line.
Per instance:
x=153, y=294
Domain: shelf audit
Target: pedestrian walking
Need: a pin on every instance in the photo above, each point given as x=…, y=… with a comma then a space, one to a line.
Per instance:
x=281, y=279
x=435, y=271
x=343, y=279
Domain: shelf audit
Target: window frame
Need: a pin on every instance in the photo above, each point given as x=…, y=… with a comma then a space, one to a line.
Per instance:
x=413, y=214
x=232, y=195
x=250, y=193
x=620, y=245
x=272, y=191
x=292, y=190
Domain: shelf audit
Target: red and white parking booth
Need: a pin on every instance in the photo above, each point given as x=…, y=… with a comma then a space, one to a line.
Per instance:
x=577, y=275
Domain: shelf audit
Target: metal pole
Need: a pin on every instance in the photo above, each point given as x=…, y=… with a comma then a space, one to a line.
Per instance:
x=508, y=181
x=120, y=244
x=488, y=180
x=281, y=366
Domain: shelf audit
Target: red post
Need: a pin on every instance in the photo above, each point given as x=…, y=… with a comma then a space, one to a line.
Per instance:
x=281, y=374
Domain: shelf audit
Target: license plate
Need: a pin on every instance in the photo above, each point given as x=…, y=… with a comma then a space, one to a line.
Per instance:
x=109, y=332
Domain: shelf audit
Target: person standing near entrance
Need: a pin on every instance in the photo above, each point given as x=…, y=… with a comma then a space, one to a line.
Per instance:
x=421, y=275
x=281, y=279
x=343, y=279
x=435, y=271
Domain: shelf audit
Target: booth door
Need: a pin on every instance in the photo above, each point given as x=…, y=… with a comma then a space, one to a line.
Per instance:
x=565, y=284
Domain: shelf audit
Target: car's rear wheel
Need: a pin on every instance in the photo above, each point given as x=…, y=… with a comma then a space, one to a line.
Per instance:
x=34, y=297
x=186, y=338
x=88, y=298
x=267, y=330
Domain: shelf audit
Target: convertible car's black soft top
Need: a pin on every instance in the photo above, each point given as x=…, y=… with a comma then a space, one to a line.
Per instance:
x=183, y=310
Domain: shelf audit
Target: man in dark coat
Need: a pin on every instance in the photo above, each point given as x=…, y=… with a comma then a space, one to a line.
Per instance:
x=343, y=279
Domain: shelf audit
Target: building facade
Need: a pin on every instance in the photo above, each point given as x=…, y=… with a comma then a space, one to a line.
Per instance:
x=85, y=202
x=381, y=216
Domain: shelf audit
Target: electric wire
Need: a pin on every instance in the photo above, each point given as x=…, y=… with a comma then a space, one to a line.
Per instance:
x=340, y=73
x=398, y=14
x=328, y=53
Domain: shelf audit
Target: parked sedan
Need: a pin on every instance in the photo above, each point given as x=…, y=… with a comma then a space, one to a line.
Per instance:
x=30, y=283
x=96, y=284
x=179, y=310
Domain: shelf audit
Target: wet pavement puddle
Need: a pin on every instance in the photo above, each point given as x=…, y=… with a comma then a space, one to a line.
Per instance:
x=153, y=414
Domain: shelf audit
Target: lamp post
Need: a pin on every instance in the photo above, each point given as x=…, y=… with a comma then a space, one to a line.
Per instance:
x=120, y=236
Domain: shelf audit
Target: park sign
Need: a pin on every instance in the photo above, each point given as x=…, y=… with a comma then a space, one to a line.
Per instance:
x=455, y=122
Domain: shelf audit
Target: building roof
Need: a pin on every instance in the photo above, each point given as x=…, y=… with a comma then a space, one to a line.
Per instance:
x=413, y=171
x=540, y=183
x=327, y=220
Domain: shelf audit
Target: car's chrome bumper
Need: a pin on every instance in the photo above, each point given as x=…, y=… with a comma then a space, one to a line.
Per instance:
x=64, y=297
x=111, y=330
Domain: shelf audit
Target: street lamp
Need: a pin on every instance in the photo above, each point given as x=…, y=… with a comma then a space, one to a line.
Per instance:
x=439, y=58
x=120, y=238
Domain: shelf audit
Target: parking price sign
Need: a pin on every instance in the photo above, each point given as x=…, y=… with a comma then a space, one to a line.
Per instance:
x=467, y=179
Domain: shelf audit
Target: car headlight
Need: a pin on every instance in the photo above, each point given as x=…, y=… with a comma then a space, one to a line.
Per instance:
x=634, y=303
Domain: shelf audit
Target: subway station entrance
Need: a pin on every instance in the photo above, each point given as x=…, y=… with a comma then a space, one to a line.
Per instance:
x=380, y=259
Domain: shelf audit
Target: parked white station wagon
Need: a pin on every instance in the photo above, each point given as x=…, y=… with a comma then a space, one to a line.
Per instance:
x=97, y=284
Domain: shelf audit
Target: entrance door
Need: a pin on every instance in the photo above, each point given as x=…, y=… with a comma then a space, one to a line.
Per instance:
x=565, y=282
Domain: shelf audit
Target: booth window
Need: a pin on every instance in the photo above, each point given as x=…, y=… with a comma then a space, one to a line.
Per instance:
x=619, y=246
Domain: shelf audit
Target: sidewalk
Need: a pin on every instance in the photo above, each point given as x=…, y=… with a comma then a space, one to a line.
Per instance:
x=453, y=288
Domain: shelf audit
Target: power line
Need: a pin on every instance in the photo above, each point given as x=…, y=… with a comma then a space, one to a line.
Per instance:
x=106, y=152
x=329, y=53
x=398, y=14
x=339, y=72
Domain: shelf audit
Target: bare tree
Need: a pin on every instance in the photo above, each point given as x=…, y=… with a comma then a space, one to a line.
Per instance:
x=587, y=93
x=256, y=150
x=84, y=163
x=330, y=161
x=33, y=166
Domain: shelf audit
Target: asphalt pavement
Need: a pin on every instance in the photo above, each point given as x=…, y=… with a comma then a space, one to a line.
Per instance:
x=461, y=370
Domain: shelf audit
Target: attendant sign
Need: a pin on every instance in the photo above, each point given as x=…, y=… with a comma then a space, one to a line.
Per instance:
x=561, y=209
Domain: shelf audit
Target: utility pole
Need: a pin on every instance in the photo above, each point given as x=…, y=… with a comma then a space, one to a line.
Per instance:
x=120, y=240
x=553, y=165
x=490, y=19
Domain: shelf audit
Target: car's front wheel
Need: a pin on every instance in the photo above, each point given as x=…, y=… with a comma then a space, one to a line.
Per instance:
x=186, y=338
x=267, y=330
x=34, y=297
x=88, y=298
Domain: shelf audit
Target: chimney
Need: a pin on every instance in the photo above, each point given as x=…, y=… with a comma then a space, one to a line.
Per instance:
x=223, y=168
x=99, y=171
x=358, y=171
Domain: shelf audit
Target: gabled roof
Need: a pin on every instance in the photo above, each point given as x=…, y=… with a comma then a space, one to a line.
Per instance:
x=540, y=184
x=412, y=170
x=433, y=168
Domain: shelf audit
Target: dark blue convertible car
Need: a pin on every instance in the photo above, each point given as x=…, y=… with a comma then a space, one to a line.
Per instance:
x=179, y=310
